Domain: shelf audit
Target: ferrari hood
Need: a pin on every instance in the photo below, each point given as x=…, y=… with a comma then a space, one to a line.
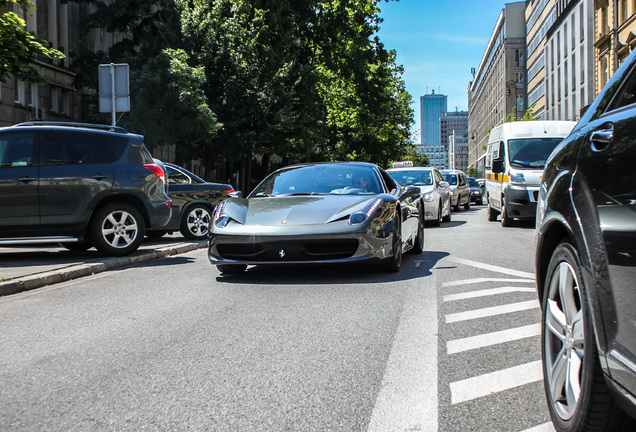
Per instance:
x=294, y=210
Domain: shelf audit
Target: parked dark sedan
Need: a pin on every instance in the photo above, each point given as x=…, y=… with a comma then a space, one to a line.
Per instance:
x=586, y=265
x=193, y=203
x=319, y=213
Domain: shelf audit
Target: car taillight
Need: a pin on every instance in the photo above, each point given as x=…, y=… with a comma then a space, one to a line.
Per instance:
x=157, y=170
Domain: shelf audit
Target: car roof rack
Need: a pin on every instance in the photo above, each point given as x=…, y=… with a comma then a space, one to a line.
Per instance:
x=70, y=124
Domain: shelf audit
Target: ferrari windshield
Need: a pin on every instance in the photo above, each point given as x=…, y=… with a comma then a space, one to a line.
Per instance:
x=531, y=153
x=412, y=177
x=337, y=179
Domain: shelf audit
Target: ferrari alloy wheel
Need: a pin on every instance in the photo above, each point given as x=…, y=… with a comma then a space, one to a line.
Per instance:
x=394, y=263
x=195, y=224
x=578, y=398
x=117, y=229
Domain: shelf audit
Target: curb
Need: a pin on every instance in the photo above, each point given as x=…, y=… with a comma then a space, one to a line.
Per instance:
x=74, y=271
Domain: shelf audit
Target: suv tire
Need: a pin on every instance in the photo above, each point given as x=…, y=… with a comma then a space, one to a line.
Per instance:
x=117, y=229
x=567, y=337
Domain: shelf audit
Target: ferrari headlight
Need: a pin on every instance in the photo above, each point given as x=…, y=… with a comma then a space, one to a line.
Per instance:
x=221, y=219
x=364, y=214
x=517, y=178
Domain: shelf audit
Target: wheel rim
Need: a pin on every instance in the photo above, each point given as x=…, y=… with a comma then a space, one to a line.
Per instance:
x=564, y=343
x=198, y=222
x=120, y=229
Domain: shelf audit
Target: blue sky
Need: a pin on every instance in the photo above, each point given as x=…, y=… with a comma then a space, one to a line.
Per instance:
x=438, y=42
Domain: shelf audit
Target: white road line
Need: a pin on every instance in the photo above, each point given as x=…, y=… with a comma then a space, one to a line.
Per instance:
x=494, y=338
x=487, y=292
x=492, y=311
x=494, y=382
x=493, y=268
x=545, y=427
x=480, y=280
x=408, y=396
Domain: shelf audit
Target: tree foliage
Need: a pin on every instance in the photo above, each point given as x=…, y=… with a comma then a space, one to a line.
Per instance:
x=19, y=47
x=303, y=80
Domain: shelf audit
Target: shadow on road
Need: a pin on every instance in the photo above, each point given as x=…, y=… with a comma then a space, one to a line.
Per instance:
x=413, y=267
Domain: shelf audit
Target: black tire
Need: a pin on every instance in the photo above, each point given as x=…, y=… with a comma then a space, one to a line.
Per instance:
x=506, y=221
x=492, y=213
x=393, y=264
x=418, y=244
x=479, y=202
x=467, y=205
x=447, y=218
x=229, y=269
x=195, y=223
x=80, y=246
x=437, y=222
x=568, y=341
x=117, y=229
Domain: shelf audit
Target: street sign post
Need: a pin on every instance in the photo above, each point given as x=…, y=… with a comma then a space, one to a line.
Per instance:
x=114, y=93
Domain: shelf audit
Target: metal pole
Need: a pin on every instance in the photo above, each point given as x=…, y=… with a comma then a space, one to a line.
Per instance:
x=112, y=82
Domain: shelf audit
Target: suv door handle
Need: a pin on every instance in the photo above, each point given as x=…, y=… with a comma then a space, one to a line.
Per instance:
x=25, y=178
x=99, y=176
x=602, y=138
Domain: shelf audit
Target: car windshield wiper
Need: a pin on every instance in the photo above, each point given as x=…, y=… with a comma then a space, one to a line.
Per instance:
x=522, y=163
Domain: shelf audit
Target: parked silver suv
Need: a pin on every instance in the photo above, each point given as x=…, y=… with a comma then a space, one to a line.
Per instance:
x=80, y=185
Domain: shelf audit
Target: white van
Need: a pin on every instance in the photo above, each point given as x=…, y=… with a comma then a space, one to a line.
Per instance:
x=516, y=155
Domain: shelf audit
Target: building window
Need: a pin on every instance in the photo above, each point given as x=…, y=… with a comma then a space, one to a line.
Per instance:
x=573, y=31
x=565, y=39
x=19, y=92
x=604, y=72
x=565, y=78
x=582, y=56
x=573, y=72
x=552, y=54
x=622, y=11
x=582, y=23
x=519, y=60
x=558, y=47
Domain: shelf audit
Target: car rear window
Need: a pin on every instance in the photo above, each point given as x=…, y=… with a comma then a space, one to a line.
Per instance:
x=114, y=146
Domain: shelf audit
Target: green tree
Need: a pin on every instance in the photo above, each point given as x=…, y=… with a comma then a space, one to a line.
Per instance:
x=19, y=47
x=527, y=116
x=168, y=105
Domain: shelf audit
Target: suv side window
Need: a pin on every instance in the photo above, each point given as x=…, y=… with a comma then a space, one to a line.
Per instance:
x=71, y=148
x=626, y=95
x=16, y=149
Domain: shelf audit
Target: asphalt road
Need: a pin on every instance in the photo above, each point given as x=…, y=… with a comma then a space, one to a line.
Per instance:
x=172, y=345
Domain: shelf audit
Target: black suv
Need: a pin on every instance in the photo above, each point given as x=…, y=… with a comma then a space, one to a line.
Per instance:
x=586, y=265
x=79, y=185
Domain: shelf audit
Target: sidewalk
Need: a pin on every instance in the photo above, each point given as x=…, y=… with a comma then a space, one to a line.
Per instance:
x=26, y=268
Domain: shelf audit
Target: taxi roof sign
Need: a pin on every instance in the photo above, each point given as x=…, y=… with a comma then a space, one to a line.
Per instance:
x=402, y=164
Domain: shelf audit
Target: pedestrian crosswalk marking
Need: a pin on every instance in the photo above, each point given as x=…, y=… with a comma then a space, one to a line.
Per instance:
x=492, y=311
x=482, y=280
x=494, y=338
x=494, y=382
x=545, y=427
x=487, y=292
x=494, y=268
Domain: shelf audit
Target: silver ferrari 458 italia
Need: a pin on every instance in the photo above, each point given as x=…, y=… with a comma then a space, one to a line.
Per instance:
x=337, y=212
